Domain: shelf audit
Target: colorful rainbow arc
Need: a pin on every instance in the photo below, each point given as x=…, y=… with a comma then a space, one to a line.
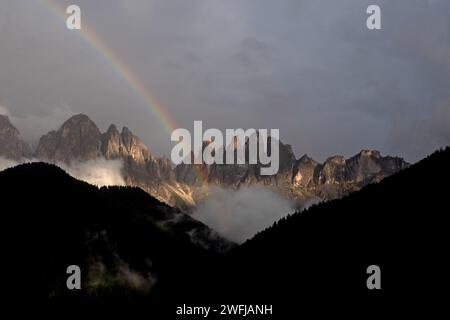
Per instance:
x=120, y=66
x=125, y=72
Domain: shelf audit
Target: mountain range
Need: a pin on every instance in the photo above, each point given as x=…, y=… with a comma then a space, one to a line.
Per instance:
x=301, y=180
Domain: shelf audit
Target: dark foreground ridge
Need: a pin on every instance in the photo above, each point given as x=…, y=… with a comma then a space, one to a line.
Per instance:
x=129, y=246
x=131, y=251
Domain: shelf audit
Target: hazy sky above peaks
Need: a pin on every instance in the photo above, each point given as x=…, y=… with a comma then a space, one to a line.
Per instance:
x=308, y=67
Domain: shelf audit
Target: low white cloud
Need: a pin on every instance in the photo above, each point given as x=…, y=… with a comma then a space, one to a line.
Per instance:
x=240, y=214
x=6, y=163
x=99, y=172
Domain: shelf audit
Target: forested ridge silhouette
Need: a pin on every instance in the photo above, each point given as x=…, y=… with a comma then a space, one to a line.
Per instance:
x=314, y=260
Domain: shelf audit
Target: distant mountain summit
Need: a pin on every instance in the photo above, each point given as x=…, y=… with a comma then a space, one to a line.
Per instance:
x=298, y=179
x=11, y=145
x=79, y=139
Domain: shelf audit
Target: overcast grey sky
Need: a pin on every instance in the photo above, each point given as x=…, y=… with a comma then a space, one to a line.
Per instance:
x=308, y=67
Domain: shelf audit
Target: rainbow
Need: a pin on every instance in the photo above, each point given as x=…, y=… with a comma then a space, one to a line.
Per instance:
x=120, y=67
x=133, y=80
x=126, y=73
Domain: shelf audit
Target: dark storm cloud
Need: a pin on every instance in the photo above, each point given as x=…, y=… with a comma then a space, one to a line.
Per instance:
x=310, y=68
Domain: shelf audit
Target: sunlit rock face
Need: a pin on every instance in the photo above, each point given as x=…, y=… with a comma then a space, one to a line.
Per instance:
x=303, y=172
x=79, y=140
x=300, y=180
x=185, y=186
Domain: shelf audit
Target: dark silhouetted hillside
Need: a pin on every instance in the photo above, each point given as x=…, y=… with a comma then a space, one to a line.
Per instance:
x=318, y=258
x=129, y=246
x=132, y=248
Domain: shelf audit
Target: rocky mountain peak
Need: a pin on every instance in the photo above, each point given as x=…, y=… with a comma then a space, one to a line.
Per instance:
x=303, y=171
x=11, y=145
x=112, y=146
x=339, y=160
x=80, y=127
x=126, y=131
x=369, y=153
x=366, y=166
x=5, y=125
x=134, y=147
x=305, y=159
x=112, y=130
x=78, y=139
x=79, y=119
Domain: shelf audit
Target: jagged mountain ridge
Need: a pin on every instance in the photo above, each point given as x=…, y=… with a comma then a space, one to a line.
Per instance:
x=79, y=139
x=301, y=180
